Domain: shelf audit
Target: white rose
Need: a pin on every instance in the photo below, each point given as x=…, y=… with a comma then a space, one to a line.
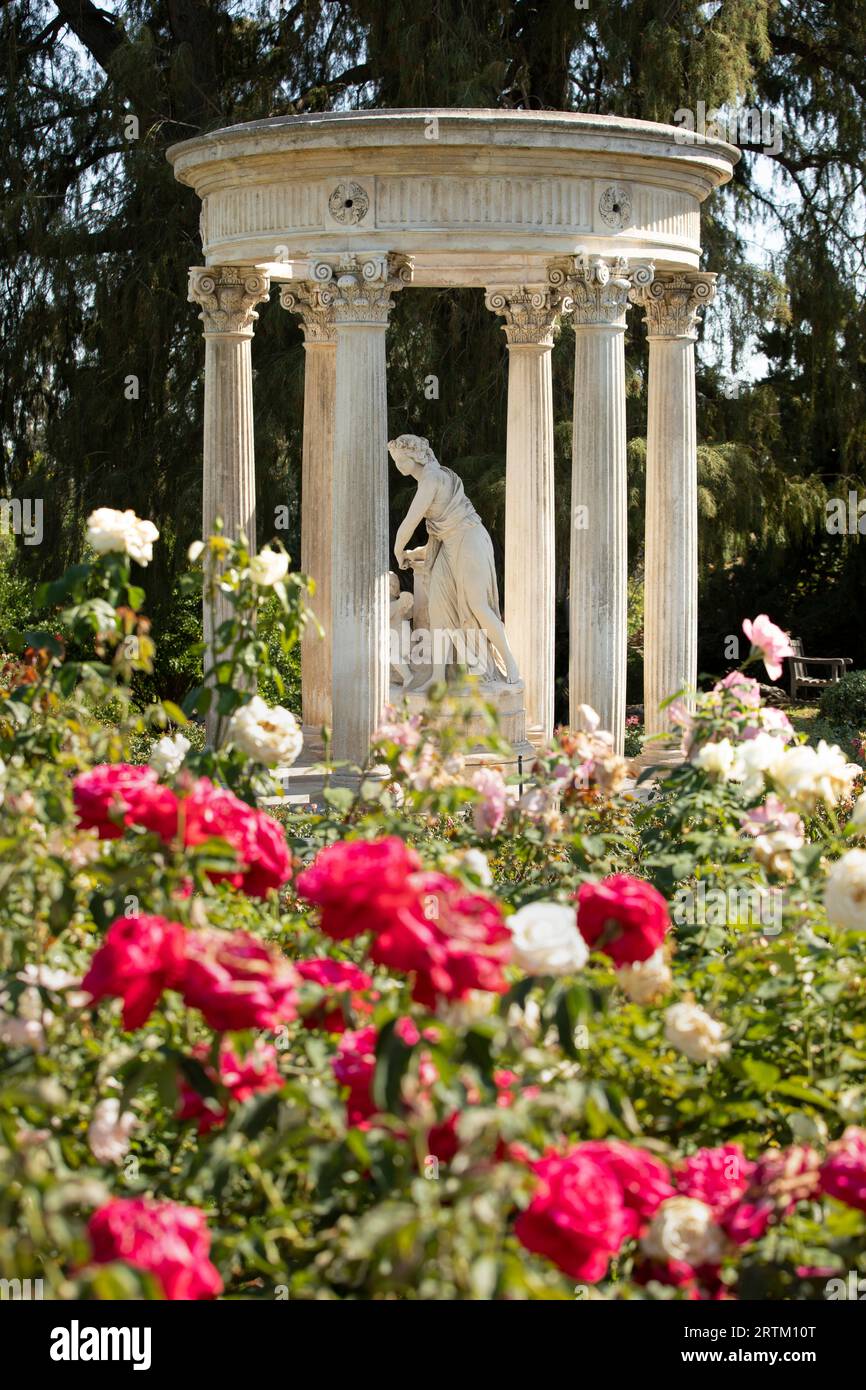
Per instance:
x=546, y=940
x=110, y=530
x=269, y=735
x=48, y=976
x=195, y=550
x=845, y=891
x=858, y=815
x=683, y=1229
x=109, y=1131
x=473, y=861
x=717, y=759
x=27, y=1029
x=755, y=758
x=269, y=567
x=808, y=776
x=168, y=753
x=692, y=1031
x=646, y=980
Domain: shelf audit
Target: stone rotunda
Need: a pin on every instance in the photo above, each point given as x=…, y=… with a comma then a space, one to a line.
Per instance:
x=548, y=213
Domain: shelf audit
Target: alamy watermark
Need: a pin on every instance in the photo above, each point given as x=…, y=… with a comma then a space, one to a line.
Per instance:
x=749, y=126
x=22, y=518
x=759, y=908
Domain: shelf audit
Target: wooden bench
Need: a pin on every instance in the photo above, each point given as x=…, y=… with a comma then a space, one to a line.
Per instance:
x=801, y=680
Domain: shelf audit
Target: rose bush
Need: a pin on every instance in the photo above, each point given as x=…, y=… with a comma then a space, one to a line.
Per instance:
x=447, y=1037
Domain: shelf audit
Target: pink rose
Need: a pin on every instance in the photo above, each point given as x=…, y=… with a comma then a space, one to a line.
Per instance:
x=114, y=795
x=769, y=642
x=774, y=816
x=645, y=1181
x=166, y=1240
x=344, y=985
x=489, y=812
x=623, y=916
x=717, y=1177
x=242, y=1077
x=844, y=1172
x=745, y=688
x=360, y=884
x=140, y=957
x=237, y=981
x=780, y=1179
x=577, y=1217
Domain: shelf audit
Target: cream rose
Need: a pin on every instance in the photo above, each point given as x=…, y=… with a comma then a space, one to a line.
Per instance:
x=683, y=1229
x=546, y=940
x=692, y=1031
x=269, y=735
x=716, y=759
x=845, y=891
x=806, y=776
x=109, y=530
x=645, y=981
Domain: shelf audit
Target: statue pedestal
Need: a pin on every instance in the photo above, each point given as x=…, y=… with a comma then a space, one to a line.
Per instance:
x=509, y=703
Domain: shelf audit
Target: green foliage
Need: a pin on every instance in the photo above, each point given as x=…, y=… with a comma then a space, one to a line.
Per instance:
x=844, y=702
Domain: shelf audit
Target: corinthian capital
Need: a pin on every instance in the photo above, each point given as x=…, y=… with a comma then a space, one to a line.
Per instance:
x=595, y=289
x=359, y=288
x=673, y=301
x=531, y=313
x=307, y=298
x=228, y=295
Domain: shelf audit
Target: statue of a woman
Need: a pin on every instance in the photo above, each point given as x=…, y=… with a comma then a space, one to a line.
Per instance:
x=458, y=557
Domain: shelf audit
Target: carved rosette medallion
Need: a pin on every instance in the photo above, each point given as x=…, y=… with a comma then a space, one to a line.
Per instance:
x=597, y=290
x=348, y=204
x=614, y=206
x=673, y=300
x=531, y=313
x=359, y=288
x=228, y=295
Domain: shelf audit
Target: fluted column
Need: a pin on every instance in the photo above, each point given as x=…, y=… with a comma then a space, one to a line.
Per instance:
x=358, y=291
x=320, y=344
x=531, y=315
x=598, y=594
x=671, y=305
x=228, y=296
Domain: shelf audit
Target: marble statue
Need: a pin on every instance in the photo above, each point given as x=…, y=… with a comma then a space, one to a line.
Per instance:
x=462, y=593
x=401, y=609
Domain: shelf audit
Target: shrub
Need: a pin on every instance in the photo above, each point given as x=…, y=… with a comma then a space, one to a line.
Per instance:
x=844, y=702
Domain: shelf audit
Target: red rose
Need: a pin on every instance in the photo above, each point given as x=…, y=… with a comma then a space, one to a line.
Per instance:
x=623, y=916
x=577, y=1217
x=452, y=940
x=212, y=812
x=844, y=1172
x=242, y=1077
x=360, y=884
x=644, y=1181
x=354, y=1066
x=167, y=1240
x=238, y=982
x=341, y=981
x=115, y=795
x=140, y=957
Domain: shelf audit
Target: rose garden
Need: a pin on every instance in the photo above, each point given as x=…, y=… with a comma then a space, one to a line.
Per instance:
x=440, y=1039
